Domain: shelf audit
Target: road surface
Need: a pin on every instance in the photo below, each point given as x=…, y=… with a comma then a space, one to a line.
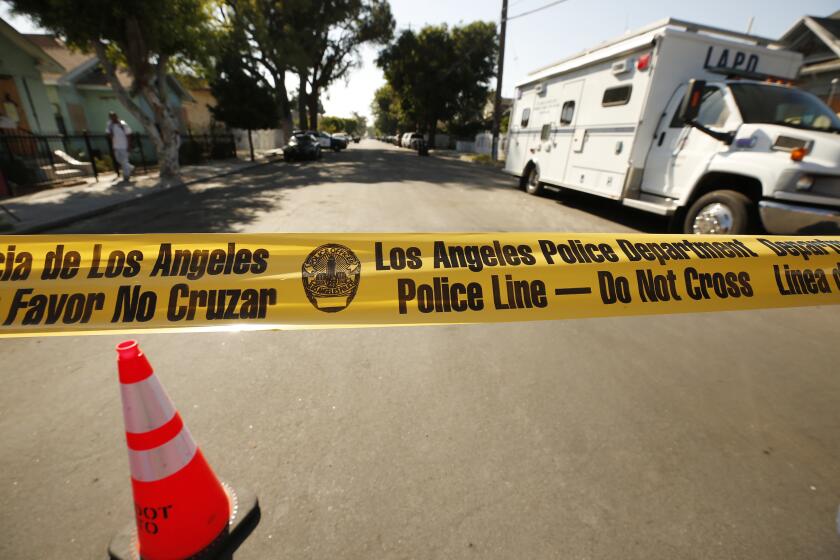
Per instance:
x=696, y=436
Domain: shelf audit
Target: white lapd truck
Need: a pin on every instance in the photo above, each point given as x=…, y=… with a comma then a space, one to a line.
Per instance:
x=687, y=121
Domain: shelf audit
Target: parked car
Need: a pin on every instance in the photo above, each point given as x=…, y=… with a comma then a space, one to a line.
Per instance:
x=415, y=140
x=357, y=139
x=328, y=141
x=302, y=146
x=342, y=137
x=410, y=140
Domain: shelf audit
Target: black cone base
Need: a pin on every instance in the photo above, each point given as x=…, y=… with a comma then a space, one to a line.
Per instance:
x=245, y=515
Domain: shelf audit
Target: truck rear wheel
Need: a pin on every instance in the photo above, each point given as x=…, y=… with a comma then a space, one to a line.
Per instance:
x=721, y=212
x=533, y=184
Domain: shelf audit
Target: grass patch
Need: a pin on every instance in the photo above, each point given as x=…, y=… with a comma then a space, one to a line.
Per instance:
x=483, y=159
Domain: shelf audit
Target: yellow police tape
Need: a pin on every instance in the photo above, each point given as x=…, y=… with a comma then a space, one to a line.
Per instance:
x=81, y=284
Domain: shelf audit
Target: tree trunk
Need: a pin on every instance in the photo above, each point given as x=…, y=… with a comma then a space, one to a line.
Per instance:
x=169, y=135
x=432, y=131
x=284, y=108
x=312, y=101
x=170, y=167
x=162, y=127
x=302, y=98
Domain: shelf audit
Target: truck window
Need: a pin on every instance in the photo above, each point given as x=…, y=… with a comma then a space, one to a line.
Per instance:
x=713, y=110
x=546, y=132
x=526, y=114
x=567, y=113
x=616, y=96
x=762, y=103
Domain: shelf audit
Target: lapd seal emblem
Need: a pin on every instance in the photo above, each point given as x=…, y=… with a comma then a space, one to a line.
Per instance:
x=331, y=275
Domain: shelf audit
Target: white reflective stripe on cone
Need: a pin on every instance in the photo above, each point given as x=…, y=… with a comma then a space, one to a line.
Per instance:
x=161, y=462
x=146, y=405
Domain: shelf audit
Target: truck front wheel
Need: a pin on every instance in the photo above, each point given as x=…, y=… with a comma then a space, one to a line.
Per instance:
x=720, y=213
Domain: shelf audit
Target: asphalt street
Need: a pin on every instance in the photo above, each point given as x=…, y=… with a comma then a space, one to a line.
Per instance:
x=706, y=436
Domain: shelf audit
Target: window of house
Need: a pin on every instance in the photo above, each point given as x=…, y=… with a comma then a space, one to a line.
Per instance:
x=567, y=113
x=526, y=114
x=546, y=132
x=616, y=96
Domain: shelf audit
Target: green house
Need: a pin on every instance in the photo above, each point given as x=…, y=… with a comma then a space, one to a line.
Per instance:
x=24, y=101
x=54, y=105
x=52, y=89
x=80, y=95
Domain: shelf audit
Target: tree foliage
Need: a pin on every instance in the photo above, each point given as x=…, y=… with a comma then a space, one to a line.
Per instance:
x=332, y=33
x=352, y=126
x=361, y=124
x=242, y=100
x=388, y=115
x=148, y=37
x=441, y=73
x=266, y=36
x=318, y=40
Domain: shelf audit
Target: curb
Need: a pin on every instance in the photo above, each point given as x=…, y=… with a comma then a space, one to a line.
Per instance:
x=66, y=220
x=457, y=158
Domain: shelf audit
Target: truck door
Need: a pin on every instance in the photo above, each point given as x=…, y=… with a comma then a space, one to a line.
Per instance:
x=680, y=153
x=556, y=135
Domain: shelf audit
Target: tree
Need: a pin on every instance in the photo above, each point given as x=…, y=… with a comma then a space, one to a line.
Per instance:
x=332, y=124
x=440, y=73
x=332, y=32
x=360, y=124
x=388, y=115
x=267, y=34
x=242, y=100
x=147, y=37
x=339, y=124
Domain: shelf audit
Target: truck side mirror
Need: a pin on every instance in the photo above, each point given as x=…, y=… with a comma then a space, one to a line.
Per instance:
x=690, y=105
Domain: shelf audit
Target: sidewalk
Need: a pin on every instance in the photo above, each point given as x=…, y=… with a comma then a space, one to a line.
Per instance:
x=48, y=209
x=468, y=157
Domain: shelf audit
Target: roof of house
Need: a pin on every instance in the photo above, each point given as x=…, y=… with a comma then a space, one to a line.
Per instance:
x=45, y=61
x=818, y=38
x=83, y=68
x=55, y=47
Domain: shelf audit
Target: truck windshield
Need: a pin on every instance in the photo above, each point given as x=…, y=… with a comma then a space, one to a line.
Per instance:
x=785, y=106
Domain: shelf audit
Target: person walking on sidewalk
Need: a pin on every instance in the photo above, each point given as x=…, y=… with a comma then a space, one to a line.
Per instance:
x=120, y=134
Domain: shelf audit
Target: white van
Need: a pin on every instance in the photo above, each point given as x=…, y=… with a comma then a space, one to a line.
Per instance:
x=410, y=140
x=687, y=121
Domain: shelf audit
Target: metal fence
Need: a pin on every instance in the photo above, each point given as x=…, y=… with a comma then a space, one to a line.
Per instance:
x=36, y=159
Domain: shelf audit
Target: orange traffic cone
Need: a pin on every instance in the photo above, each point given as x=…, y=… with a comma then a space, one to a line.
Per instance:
x=181, y=508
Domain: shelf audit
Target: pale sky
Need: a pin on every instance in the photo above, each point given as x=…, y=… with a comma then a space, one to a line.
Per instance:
x=539, y=39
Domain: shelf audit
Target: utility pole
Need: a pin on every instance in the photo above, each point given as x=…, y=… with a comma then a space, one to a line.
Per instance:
x=500, y=69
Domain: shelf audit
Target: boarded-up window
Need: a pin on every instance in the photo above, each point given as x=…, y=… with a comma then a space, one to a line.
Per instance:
x=77, y=117
x=11, y=107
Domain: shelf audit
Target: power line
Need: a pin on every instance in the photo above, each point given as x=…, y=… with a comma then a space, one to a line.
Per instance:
x=529, y=12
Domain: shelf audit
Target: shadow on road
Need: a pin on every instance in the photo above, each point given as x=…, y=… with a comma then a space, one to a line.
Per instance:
x=228, y=204
x=610, y=210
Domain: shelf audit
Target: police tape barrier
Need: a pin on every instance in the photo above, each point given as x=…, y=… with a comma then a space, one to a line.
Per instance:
x=126, y=283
